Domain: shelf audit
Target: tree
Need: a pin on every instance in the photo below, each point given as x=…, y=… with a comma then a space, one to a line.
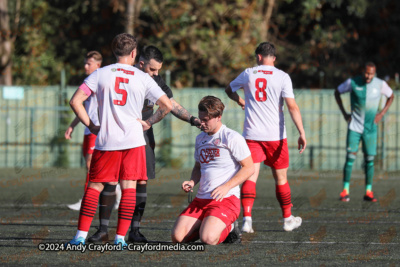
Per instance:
x=7, y=39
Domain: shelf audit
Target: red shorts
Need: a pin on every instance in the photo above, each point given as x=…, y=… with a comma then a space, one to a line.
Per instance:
x=274, y=153
x=112, y=166
x=227, y=210
x=88, y=144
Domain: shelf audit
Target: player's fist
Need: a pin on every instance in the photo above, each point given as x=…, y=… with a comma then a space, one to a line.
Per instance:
x=241, y=103
x=378, y=117
x=68, y=133
x=347, y=117
x=187, y=186
x=145, y=125
x=302, y=143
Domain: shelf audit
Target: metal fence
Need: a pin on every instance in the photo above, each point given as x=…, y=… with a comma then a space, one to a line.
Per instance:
x=33, y=121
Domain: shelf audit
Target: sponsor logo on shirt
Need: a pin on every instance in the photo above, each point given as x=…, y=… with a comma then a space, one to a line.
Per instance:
x=359, y=88
x=92, y=147
x=208, y=154
x=266, y=72
x=129, y=72
x=217, y=141
x=224, y=215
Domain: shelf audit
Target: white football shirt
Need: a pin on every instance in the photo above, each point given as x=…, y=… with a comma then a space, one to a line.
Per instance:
x=121, y=90
x=264, y=89
x=219, y=156
x=91, y=109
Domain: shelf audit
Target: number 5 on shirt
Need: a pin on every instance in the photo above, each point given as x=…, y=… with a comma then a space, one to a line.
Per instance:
x=261, y=85
x=118, y=90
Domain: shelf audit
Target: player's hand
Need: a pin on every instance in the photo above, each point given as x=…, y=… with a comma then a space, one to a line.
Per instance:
x=347, y=117
x=241, y=103
x=187, y=186
x=378, y=117
x=145, y=125
x=220, y=192
x=197, y=123
x=68, y=133
x=302, y=143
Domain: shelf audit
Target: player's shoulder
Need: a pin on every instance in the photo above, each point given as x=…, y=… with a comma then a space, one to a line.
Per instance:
x=229, y=133
x=200, y=136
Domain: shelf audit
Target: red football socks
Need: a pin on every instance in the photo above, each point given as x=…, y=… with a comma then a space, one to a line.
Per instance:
x=224, y=234
x=284, y=198
x=125, y=210
x=248, y=194
x=88, y=209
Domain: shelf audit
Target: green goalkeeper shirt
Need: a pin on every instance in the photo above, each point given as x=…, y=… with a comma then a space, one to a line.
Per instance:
x=364, y=99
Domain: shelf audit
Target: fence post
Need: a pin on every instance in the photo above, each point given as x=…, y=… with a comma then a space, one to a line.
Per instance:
x=311, y=157
x=31, y=138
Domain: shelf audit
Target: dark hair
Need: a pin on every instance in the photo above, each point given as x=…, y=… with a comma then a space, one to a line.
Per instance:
x=123, y=44
x=370, y=64
x=95, y=55
x=265, y=49
x=212, y=105
x=151, y=52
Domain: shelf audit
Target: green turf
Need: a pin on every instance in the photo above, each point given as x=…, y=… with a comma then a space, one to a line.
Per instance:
x=333, y=233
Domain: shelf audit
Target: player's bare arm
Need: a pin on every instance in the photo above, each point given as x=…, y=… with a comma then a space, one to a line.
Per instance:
x=164, y=107
x=188, y=186
x=77, y=106
x=380, y=114
x=181, y=113
x=242, y=175
x=235, y=97
x=70, y=129
x=294, y=111
x=346, y=115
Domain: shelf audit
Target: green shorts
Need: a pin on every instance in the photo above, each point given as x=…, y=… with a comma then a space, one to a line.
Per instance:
x=369, y=140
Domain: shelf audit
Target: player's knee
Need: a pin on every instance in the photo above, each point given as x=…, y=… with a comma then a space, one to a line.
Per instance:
x=369, y=160
x=351, y=157
x=176, y=237
x=209, y=239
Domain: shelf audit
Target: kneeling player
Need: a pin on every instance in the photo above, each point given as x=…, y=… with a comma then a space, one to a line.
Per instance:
x=223, y=162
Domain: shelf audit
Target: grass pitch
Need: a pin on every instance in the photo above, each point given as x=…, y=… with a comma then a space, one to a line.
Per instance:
x=33, y=210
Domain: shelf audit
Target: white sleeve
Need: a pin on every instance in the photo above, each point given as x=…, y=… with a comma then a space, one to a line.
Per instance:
x=345, y=87
x=240, y=81
x=238, y=147
x=92, y=80
x=196, y=155
x=287, y=87
x=386, y=90
x=153, y=91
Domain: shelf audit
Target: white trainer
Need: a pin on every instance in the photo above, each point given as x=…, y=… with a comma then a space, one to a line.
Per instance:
x=118, y=198
x=76, y=206
x=291, y=223
x=247, y=225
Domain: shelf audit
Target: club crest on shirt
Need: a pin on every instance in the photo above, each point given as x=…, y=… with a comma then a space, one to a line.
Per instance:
x=217, y=141
x=208, y=154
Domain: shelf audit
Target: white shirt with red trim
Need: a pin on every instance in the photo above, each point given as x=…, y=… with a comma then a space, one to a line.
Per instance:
x=264, y=89
x=219, y=156
x=121, y=90
x=91, y=109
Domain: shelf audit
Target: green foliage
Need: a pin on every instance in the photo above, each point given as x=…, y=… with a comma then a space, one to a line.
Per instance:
x=208, y=43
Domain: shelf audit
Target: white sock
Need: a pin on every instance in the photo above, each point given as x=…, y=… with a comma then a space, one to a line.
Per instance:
x=119, y=237
x=288, y=218
x=247, y=219
x=80, y=233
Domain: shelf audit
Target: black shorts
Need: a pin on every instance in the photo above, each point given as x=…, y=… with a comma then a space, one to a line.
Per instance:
x=150, y=156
